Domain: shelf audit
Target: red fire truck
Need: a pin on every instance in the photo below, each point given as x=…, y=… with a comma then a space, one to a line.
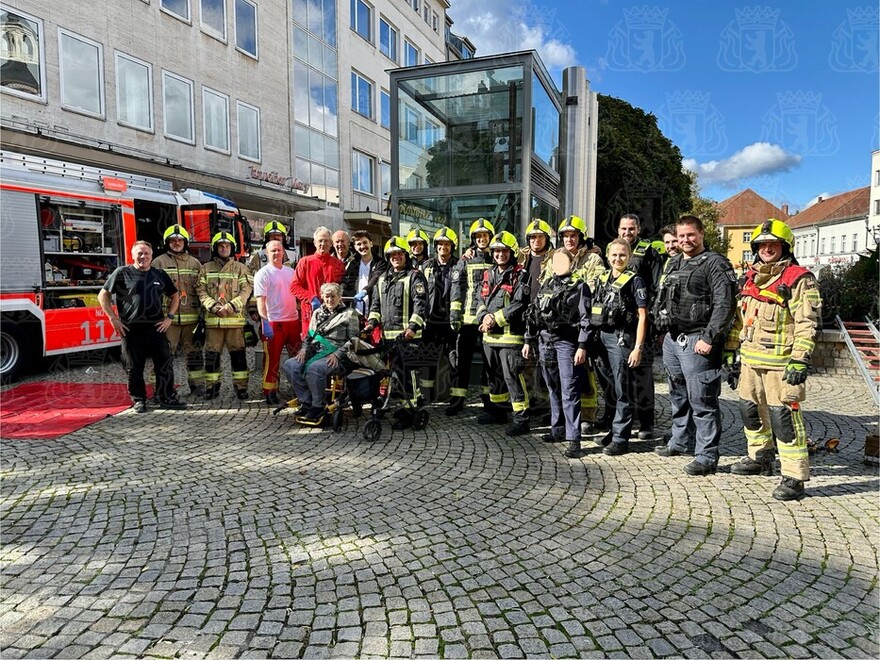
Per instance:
x=65, y=227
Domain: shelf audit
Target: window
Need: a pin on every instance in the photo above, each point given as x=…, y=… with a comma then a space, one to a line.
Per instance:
x=179, y=8
x=319, y=19
x=843, y=244
x=387, y=40
x=82, y=74
x=410, y=54
x=384, y=180
x=431, y=134
x=823, y=246
x=812, y=247
x=246, y=27
x=428, y=60
x=177, y=101
x=362, y=172
x=361, y=95
x=833, y=244
x=248, y=131
x=362, y=19
x=410, y=124
x=385, y=109
x=747, y=236
x=213, y=17
x=426, y=13
x=215, y=117
x=855, y=247
x=21, y=50
x=134, y=92
x=877, y=207
x=435, y=22
x=415, y=5
x=748, y=256
x=877, y=178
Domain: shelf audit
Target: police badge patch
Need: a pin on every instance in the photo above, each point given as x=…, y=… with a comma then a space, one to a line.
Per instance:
x=420, y=289
x=456, y=274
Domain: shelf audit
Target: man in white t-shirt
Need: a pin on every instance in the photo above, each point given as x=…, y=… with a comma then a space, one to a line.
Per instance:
x=280, y=323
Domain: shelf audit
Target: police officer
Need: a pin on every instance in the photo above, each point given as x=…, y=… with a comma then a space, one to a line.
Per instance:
x=647, y=263
x=619, y=314
x=184, y=270
x=438, y=275
x=557, y=322
x=779, y=314
x=504, y=297
x=588, y=265
x=272, y=231
x=418, y=246
x=467, y=278
x=224, y=288
x=695, y=307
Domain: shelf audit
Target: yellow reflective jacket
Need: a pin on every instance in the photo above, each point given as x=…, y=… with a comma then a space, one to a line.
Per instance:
x=184, y=270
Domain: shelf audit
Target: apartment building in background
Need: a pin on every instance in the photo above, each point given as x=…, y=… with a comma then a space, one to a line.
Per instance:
x=740, y=214
x=280, y=106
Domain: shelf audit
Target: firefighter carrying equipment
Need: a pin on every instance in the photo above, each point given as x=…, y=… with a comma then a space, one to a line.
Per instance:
x=446, y=234
x=612, y=307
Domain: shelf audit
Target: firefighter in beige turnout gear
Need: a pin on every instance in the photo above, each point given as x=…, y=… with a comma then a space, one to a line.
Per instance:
x=778, y=318
x=184, y=270
x=224, y=288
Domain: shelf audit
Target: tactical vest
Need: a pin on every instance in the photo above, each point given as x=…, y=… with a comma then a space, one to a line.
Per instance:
x=638, y=256
x=557, y=304
x=684, y=302
x=611, y=307
x=779, y=292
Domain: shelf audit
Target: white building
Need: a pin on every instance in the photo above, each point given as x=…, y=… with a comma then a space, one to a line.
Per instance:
x=833, y=231
x=280, y=106
x=874, y=207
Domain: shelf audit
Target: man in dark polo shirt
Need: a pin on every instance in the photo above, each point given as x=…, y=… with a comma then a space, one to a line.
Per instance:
x=139, y=290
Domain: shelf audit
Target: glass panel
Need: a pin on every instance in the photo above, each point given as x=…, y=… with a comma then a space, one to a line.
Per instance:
x=411, y=55
x=387, y=40
x=330, y=118
x=22, y=56
x=315, y=21
x=361, y=95
x=542, y=210
x=303, y=172
x=80, y=75
x=464, y=129
x=316, y=144
x=216, y=118
x=316, y=100
x=385, y=179
x=248, y=132
x=300, y=44
x=330, y=62
x=385, y=113
x=300, y=92
x=332, y=186
x=362, y=173
x=246, y=26
x=178, y=108
x=316, y=53
x=300, y=11
x=459, y=212
x=330, y=22
x=301, y=141
x=179, y=7
x=134, y=103
x=213, y=15
x=545, y=125
x=331, y=153
x=360, y=18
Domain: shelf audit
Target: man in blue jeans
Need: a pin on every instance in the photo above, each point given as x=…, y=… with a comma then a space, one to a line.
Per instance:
x=695, y=307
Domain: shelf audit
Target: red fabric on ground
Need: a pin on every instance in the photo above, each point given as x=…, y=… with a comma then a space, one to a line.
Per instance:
x=49, y=410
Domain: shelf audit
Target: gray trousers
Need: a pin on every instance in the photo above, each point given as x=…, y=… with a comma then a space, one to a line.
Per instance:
x=309, y=383
x=557, y=362
x=694, y=387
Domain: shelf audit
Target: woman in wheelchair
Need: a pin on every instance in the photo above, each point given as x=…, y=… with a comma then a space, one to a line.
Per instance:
x=323, y=353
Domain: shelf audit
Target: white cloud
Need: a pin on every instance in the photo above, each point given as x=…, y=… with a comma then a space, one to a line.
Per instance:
x=501, y=26
x=824, y=195
x=757, y=159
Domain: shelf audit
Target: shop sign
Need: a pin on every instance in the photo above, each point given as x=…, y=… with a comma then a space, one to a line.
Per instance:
x=274, y=178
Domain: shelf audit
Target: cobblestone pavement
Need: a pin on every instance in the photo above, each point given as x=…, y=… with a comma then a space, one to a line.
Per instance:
x=226, y=531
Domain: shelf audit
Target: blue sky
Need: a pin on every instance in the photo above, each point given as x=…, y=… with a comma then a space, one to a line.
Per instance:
x=780, y=97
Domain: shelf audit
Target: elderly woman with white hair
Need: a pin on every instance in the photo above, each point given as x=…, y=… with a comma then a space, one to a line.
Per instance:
x=313, y=271
x=332, y=327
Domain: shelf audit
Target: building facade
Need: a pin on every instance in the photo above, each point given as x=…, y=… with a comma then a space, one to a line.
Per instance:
x=281, y=106
x=740, y=214
x=834, y=231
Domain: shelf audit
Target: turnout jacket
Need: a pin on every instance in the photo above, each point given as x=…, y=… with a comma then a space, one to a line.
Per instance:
x=504, y=293
x=400, y=301
x=184, y=270
x=778, y=315
x=439, y=279
x=225, y=283
x=467, y=276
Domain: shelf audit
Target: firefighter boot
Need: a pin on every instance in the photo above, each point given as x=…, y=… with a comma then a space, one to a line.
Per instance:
x=242, y=393
x=212, y=391
x=196, y=389
x=789, y=489
x=574, y=449
x=455, y=406
x=750, y=467
x=519, y=427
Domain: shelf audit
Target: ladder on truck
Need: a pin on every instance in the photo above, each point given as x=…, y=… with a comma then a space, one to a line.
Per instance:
x=863, y=341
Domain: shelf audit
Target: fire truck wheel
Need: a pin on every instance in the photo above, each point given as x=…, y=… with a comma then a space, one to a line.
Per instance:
x=13, y=351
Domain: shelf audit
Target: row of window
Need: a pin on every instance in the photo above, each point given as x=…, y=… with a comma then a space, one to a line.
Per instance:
x=363, y=175
x=212, y=19
x=389, y=35
x=845, y=246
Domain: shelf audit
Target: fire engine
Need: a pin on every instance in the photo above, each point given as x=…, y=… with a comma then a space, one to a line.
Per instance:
x=65, y=227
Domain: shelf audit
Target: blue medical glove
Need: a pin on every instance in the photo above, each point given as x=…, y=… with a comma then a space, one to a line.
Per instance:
x=360, y=295
x=316, y=302
x=268, y=333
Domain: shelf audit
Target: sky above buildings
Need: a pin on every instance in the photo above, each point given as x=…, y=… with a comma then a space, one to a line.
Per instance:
x=781, y=97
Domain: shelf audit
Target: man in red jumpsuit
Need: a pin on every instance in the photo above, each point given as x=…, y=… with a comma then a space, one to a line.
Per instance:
x=313, y=271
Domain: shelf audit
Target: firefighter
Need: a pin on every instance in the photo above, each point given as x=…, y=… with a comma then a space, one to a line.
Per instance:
x=779, y=314
x=588, y=265
x=184, y=270
x=619, y=316
x=695, y=308
x=535, y=258
x=418, y=247
x=224, y=288
x=556, y=322
x=273, y=231
x=647, y=263
x=438, y=276
x=467, y=277
x=503, y=300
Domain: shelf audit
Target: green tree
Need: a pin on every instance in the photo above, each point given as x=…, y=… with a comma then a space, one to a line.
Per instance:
x=638, y=170
x=707, y=210
x=850, y=291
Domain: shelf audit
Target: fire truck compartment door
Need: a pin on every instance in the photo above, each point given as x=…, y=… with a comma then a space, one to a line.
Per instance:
x=21, y=268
